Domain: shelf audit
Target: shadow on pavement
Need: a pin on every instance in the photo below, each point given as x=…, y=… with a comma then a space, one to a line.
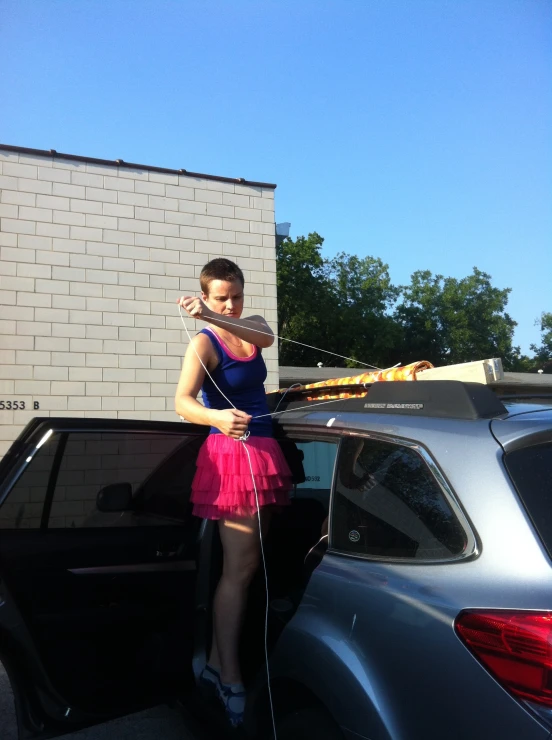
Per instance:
x=159, y=723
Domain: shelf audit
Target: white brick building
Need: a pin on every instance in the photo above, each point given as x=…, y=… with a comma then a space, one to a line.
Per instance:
x=93, y=255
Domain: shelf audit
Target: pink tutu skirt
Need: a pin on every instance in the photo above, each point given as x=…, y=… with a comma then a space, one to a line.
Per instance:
x=223, y=488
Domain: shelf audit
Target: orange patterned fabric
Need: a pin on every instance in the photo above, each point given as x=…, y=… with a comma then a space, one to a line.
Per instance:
x=408, y=372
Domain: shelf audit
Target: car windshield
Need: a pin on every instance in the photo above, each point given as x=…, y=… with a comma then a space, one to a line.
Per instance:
x=531, y=471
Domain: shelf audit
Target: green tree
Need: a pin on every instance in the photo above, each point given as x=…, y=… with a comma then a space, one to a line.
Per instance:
x=304, y=299
x=360, y=323
x=450, y=320
x=341, y=305
x=348, y=305
x=543, y=353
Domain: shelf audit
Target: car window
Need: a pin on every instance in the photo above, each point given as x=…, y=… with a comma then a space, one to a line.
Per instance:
x=388, y=504
x=158, y=467
x=62, y=489
x=531, y=471
x=318, y=466
x=299, y=532
x=23, y=507
x=166, y=491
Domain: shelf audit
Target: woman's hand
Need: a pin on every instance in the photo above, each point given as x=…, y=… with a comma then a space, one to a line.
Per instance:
x=195, y=307
x=231, y=422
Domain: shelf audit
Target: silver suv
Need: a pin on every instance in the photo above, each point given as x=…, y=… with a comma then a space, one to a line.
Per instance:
x=409, y=580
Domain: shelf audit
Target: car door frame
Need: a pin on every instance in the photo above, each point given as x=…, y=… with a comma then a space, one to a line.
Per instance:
x=40, y=708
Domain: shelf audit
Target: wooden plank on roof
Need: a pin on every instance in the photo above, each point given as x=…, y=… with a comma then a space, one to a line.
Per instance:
x=491, y=373
x=480, y=371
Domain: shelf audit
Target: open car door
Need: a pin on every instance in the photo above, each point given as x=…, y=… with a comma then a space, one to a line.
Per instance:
x=97, y=568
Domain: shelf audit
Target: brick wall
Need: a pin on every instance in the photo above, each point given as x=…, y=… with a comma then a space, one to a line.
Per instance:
x=92, y=259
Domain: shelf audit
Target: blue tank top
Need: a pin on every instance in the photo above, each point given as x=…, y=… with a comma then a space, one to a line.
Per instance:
x=241, y=380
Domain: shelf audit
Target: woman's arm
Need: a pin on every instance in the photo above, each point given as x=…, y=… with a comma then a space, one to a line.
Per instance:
x=253, y=329
x=231, y=422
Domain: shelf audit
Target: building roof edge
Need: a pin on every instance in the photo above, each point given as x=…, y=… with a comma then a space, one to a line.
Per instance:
x=133, y=165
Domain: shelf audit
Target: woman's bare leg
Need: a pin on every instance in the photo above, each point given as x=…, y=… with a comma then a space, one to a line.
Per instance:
x=241, y=557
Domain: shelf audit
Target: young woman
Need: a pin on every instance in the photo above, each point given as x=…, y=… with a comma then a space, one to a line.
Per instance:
x=230, y=348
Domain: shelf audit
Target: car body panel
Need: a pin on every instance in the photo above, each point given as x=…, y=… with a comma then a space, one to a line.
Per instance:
x=471, y=461
x=361, y=618
x=523, y=429
x=381, y=647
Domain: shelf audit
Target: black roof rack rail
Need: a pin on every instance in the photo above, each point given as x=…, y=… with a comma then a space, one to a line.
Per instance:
x=445, y=399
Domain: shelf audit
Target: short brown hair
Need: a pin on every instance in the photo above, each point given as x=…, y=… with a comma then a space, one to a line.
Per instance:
x=219, y=269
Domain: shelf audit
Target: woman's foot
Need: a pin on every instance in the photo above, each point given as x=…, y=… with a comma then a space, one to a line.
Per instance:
x=209, y=678
x=232, y=697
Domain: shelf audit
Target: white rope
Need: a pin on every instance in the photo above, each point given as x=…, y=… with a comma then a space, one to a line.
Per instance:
x=293, y=341
x=266, y=591
x=261, y=416
x=291, y=387
x=243, y=440
x=301, y=408
x=201, y=361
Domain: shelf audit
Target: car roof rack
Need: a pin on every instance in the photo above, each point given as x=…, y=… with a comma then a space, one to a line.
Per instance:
x=488, y=374
x=444, y=399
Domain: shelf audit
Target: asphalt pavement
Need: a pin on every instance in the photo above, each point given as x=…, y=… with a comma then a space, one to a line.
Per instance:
x=153, y=724
x=161, y=722
x=8, y=726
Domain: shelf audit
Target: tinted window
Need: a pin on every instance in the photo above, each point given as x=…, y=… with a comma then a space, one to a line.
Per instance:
x=531, y=471
x=303, y=524
x=166, y=491
x=318, y=466
x=388, y=504
x=158, y=467
x=23, y=507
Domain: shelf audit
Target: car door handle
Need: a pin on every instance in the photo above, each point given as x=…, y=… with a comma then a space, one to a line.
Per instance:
x=166, y=553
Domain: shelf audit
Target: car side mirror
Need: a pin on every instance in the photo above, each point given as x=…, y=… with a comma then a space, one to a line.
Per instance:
x=114, y=497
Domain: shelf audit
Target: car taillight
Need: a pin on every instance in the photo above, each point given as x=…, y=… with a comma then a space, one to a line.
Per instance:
x=515, y=646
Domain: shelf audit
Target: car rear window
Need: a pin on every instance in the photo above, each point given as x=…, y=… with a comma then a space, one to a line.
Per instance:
x=388, y=504
x=531, y=471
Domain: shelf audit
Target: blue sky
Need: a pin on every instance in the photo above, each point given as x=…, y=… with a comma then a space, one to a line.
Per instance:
x=418, y=131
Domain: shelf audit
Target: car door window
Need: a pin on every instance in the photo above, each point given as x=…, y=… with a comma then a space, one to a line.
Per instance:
x=24, y=506
x=165, y=493
x=63, y=476
x=302, y=526
x=318, y=466
x=158, y=467
x=388, y=504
